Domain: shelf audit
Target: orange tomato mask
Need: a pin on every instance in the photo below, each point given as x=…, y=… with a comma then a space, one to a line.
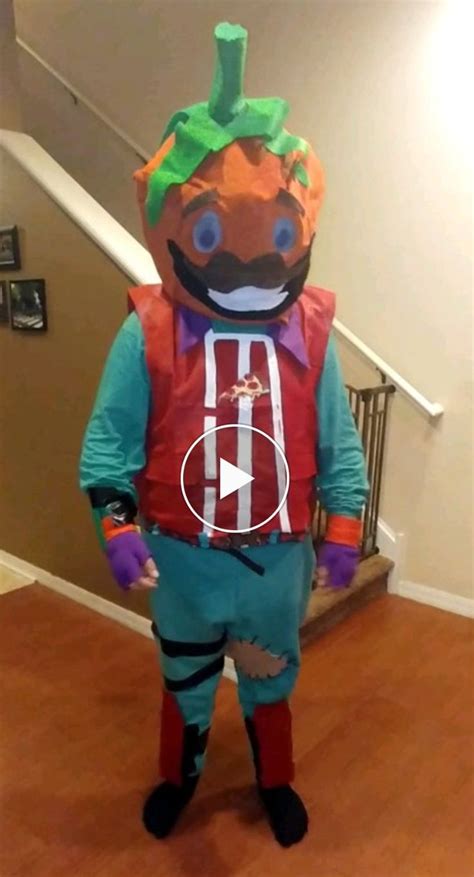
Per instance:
x=234, y=238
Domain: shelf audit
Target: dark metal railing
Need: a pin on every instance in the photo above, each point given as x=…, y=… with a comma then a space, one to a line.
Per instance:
x=370, y=408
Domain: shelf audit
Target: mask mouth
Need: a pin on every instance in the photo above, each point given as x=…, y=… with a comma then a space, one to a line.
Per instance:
x=263, y=288
x=249, y=298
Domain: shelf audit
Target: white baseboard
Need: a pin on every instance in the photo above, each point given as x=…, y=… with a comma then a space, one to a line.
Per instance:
x=435, y=597
x=104, y=607
x=392, y=545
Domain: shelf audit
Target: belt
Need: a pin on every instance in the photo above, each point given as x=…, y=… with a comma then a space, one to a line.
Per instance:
x=227, y=541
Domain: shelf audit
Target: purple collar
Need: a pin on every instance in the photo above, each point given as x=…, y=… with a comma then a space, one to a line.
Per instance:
x=193, y=326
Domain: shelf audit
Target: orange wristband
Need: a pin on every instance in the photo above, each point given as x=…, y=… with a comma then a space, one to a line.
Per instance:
x=343, y=531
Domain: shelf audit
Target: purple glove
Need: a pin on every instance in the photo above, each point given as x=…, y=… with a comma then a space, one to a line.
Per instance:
x=337, y=565
x=127, y=555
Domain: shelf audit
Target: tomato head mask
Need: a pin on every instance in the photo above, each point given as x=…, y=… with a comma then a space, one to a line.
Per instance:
x=230, y=201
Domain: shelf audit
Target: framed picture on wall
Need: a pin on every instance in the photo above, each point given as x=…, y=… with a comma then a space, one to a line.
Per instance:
x=28, y=305
x=3, y=302
x=9, y=248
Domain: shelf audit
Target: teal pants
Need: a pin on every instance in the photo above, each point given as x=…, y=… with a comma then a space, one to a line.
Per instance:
x=208, y=604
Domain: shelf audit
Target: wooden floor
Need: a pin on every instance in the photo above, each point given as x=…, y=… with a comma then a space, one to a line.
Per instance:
x=383, y=737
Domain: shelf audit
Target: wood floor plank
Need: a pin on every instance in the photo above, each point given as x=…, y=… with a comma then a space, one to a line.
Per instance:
x=383, y=722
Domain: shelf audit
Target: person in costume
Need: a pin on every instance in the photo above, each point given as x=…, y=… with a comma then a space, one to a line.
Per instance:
x=232, y=336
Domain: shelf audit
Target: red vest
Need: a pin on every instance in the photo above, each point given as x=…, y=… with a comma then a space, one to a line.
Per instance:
x=204, y=387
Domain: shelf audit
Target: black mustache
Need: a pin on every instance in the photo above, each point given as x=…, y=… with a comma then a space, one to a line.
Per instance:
x=226, y=272
x=197, y=286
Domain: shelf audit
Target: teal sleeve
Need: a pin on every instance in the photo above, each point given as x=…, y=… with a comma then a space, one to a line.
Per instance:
x=113, y=451
x=342, y=480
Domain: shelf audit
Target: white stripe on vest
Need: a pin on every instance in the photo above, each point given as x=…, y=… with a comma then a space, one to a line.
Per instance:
x=244, y=440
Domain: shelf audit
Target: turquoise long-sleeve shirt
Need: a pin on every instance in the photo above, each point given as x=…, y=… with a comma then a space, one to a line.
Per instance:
x=114, y=445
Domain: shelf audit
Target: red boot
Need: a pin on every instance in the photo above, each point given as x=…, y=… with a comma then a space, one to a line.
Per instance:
x=179, y=746
x=269, y=731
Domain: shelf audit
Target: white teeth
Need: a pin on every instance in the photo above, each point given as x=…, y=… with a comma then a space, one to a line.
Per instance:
x=249, y=298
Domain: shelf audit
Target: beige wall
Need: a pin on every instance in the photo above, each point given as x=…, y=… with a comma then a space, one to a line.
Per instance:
x=381, y=90
x=48, y=383
x=10, y=113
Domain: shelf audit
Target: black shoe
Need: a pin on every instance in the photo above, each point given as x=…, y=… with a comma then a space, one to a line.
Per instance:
x=164, y=806
x=286, y=814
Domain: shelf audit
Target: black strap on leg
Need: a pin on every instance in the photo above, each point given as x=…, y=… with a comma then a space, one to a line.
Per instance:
x=239, y=555
x=196, y=678
x=185, y=649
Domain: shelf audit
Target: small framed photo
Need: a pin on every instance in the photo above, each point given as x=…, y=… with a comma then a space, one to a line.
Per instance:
x=28, y=305
x=3, y=302
x=9, y=248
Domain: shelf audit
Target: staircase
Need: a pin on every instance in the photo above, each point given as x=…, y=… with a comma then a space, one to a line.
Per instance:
x=370, y=408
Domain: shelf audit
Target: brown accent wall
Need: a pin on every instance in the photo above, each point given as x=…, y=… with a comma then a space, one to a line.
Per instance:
x=47, y=386
x=10, y=111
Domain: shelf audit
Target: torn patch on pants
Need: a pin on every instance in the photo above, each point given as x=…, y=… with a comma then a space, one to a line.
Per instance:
x=255, y=661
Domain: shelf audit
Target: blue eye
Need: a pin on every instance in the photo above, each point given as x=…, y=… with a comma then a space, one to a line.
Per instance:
x=207, y=233
x=284, y=234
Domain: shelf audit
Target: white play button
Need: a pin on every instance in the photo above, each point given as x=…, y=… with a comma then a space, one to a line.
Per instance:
x=231, y=478
x=220, y=478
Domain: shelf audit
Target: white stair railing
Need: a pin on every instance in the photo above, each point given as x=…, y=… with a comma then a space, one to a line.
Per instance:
x=433, y=409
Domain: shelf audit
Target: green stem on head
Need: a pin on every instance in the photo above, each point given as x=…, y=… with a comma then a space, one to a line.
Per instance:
x=227, y=98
